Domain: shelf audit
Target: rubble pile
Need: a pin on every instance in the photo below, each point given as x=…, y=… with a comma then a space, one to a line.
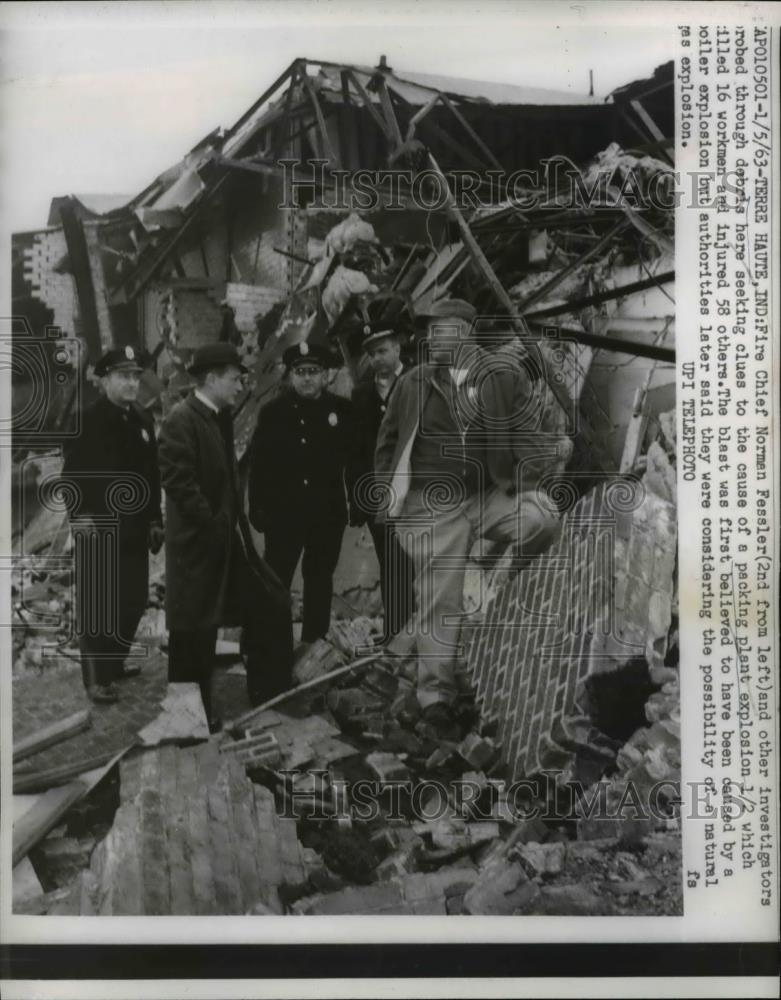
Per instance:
x=336, y=797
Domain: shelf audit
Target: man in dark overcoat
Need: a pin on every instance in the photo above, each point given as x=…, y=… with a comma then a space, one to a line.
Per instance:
x=370, y=399
x=111, y=467
x=199, y=475
x=301, y=473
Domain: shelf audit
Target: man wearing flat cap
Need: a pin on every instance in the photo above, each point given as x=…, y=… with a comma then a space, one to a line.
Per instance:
x=199, y=475
x=300, y=478
x=116, y=519
x=461, y=456
x=370, y=398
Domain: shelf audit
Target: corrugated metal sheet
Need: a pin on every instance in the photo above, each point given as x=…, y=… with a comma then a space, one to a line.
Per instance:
x=419, y=88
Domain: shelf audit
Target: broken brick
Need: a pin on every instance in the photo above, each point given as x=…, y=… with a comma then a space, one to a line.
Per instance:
x=477, y=751
x=542, y=859
x=502, y=889
x=388, y=767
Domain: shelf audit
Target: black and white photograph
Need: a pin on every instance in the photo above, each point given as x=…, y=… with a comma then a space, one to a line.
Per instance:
x=344, y=453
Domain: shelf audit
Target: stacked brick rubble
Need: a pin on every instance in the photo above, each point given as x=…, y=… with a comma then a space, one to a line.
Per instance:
x=599, y=599
x=192, y=835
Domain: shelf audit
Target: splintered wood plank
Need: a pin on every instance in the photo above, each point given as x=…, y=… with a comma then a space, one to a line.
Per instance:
x=51, y=734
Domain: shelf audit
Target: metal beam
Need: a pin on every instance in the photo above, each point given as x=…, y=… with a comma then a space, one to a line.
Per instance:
x=606, y=296
x=616, y=344
x=328, y=149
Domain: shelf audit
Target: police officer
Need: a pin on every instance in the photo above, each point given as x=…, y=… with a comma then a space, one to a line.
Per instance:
x=370, y=398
x=301, y=474
x=112, y=468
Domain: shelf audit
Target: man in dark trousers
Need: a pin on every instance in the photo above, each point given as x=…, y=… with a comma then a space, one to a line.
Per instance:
x=111, y=468
x=301, y=471
x=370, y=401
x=198, y=472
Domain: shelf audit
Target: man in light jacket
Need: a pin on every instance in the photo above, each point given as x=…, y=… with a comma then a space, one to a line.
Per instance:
x=461, y=458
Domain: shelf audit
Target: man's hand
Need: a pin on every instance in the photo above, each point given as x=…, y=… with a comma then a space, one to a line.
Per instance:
x=156, y=537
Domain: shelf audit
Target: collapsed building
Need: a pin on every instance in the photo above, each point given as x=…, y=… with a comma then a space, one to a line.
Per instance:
x=257, y=236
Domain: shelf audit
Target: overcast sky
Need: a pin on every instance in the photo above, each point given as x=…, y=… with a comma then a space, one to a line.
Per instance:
x=101, y=98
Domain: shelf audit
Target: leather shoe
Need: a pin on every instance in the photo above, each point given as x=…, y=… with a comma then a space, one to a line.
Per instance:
x=103, y=694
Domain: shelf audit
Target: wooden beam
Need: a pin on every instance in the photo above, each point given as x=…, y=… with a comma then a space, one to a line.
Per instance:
x=78, y=254
x=284, y=125
x=52, y=806
x=471, y=132
x=249, y=717
x=367, y=102
x=650, y=124
x=445, y=137
x=42, y=817
x=144, y=272
x=419, y=116
x=39, y=781
x=390, y=114
x=477, y=254
x=55, y=732
x=263, y=98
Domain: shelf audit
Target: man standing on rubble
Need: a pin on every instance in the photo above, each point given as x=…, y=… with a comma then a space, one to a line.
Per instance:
x=459, y=453
x=198, y=472
x=370, y=400
x=301, y=473
x=112, y=466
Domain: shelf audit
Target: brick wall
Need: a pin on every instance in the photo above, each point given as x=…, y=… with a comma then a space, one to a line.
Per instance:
x=56, y=291
x=600, y=598
x=249, y=300
x=195, y=316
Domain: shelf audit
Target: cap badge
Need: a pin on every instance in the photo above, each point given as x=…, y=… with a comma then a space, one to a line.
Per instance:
x=304, y=348
x=145, y=435
x=333, y=420
x=129, y=353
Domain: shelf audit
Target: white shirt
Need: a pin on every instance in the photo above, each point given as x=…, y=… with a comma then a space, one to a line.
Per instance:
x=206, y=401
x=385, y=382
